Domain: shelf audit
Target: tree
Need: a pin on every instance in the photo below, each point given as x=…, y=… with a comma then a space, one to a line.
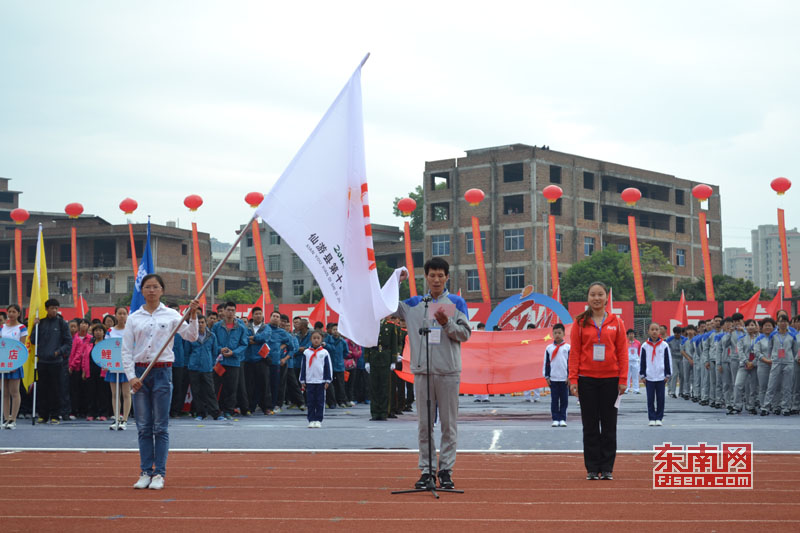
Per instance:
x=245, y=295
x=726, y=288
x=609, y=266
x=311, y=297
x=652, y=259
x=417, y=233
x=385, y=271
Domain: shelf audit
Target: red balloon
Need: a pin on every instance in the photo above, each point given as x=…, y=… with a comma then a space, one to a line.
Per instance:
x=702, y=192
x=407, y=206
x=128, y=205
x=193, y=202
x=254, y=199
x=474, y=196
x=631, y=195
x=19, y=215
x=74, y=210
x=552, y=193
x=780, y=185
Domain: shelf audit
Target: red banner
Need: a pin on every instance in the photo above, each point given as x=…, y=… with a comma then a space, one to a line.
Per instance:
x=706, y=258
x=477, y=245
x=624, y=310
x=761, y=308
x=412, y=282
x=787, y=284
x=198, y=269
x=18, y=264
x=262, y=272
x=635, y=262
x=74, y=250
x=664, y=312
x=551, y=223
x=134, y=260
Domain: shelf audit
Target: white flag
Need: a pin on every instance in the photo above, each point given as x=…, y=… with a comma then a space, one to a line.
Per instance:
x=320, y=207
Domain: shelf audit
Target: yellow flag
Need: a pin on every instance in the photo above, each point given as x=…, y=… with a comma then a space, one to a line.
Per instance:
x=39, y=295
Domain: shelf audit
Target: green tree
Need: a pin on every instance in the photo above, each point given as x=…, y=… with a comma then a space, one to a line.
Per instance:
x=609, y=266
x=384, y=271
x=725, y=288
x=245, y=295
x=652, y=260
x=417, y=233
x=311, y=297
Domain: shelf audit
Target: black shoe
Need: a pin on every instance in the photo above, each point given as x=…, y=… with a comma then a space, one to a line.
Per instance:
x=592, y=476
x=377, y=418
x=764, y=412
x=606, y=475
x=695, y=399
x=703, y=402
x=777, y=411
x=424, y=480
x=787, y=413
x=444, y=480
x=392, y=415
x=752, y=411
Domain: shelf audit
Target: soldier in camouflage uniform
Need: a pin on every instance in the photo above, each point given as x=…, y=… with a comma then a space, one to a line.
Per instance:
x=379, y=360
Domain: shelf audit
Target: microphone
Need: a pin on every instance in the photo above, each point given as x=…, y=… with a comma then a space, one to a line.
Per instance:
x=427, y=299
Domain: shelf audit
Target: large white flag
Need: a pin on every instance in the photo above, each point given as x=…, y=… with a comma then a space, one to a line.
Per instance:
x=320, y=207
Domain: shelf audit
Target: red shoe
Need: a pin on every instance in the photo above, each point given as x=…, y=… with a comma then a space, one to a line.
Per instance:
x=90, y=419
x=102, y=418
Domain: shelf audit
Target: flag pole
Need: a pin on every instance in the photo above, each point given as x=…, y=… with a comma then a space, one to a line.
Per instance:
x=197, y=297
x=35, y=376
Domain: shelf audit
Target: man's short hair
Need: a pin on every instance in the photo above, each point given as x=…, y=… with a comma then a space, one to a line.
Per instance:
x=256, y=309
x=559, y=325
x=52, y=302
x=437, y=263
x=230, y=304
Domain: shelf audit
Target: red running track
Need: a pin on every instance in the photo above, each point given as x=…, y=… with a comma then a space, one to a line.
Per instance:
x=237, y=492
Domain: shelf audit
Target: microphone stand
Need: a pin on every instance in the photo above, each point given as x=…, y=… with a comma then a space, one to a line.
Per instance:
x=431, y=485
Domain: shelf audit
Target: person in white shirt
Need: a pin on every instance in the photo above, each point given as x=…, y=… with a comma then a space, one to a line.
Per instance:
x=315, y=377
x=556, y=372
x=147, y=330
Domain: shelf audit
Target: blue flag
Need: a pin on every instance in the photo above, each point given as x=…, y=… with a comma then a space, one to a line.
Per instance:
x=145, y=268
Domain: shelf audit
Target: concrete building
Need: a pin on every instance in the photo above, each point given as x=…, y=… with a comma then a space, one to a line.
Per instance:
x=590, y=214
x=737, y=263
x=767, y=264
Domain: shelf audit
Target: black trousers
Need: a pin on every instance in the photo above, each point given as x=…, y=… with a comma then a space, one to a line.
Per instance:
x=339, y=385
x=290, y=388
x=203, y=397
x=227, y=386
x=256, y=378
x=77, y=388
x=49, y=390
x=98, y=393
x=599, y=417
x=65, y=401
x=180, y=385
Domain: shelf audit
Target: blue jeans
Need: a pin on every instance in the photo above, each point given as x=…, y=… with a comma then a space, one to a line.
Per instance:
x=559, y=399
x=152, y=404
x=655, y=399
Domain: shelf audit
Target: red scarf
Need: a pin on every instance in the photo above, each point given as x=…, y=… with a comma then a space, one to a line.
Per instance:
x=653, y=357
x=313, y=355
x=555, y=351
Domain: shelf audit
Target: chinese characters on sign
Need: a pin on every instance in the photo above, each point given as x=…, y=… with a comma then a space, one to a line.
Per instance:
x=729, y=466
x=331, y=264
x=107, y=354
x=13, y=355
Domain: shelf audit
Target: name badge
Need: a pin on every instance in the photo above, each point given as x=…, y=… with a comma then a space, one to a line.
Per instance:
x=599, y=352
x=781, y=353
x=435, y=336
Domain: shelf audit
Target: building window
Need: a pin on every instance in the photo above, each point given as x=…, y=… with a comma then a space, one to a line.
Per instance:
x=440, y=181
x=184, y=249
x=680, y=225
x=588, y=245
x=513, y=204
x=555, y=208
x=297, y=263
x=184, y=284
x=514, y=239
x=65, y=251
x=512, y=172
x=588, y=210
x=131, y=283
x=274, y=263
x=680, y=257
x=555, y=174
x=440, y=212
x=440, y=244
x=470, y=242
x=604, y=210
x=274, y=238
x=623, y=248
x=250, y=263
x=249, y=240
x=473, y=281
x=32, y=253
x=139, y=247
x=297, y=287
x=679, y=196
x=514, y=278
x=588, y=180
x=559, y=238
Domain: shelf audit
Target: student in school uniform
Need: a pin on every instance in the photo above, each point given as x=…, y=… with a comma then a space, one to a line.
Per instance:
x=634, y=348
x=656, y=369
x=764, y=362
x=782, y=352
x=200, y=357
x=686, y=367
x=746, y=384
x=697, y=362
x=556, y=372
x=12, y=329
x=675, y=342
x=315, y=377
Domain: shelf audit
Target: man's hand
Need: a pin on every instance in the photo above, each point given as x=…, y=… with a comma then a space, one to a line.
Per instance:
x=226, y=352
x=708, y=365
x=441, y=317
x=403, y=275
x=548, y=381
x=252, y=340
x=136, y=384
x=621, y=388
x=327, y=385
x=194, y=305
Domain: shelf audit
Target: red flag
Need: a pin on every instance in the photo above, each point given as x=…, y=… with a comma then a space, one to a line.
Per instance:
x=264, y=351
x=219, y=369
x=81, y=307
x=680, y=312
x=318, y=313
x=748, y=309
x=775, y=304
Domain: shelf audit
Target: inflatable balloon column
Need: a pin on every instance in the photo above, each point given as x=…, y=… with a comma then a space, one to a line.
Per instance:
x=703, y=192
x=128, y=206
x=473, y=198
x=19, y=216
x=193, y=202
x=254, y=199
x=552, y=193
x=630, y=196
x=407, y=206
x=780, y=186
x=73, y=211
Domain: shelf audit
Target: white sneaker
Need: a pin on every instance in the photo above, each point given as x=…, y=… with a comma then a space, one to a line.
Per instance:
x=318, y=424
x=658, y=423
x=123, y=425
x=312, y=424
x=555, y=424
x=114, y=426
x=143, y=482
x=651, y=423
x=157, y=483
x=276, y=410
x=562, y=423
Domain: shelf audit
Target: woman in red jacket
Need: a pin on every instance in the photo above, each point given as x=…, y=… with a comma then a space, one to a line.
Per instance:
x=598, y=374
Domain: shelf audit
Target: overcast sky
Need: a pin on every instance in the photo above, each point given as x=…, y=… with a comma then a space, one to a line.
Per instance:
x=156, y=100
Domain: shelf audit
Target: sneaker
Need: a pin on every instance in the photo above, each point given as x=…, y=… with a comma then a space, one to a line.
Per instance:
x=11, y=425
x=73, y=417
x=318, y=424
x=276, y=410
x=301, y=407
x=651, y=423
x=90, y=419
x=638, y=392
x=764, y=412
x=476, y=400
x=350, y=404
x=659, y=423
x=606, y=475
x=269, y=412
x=199, y=418
x=221, y=418
x=54, y=421
x=102, y=419
x=157, y=482
x=423, y=481
x=123, y=425
x=343, y=405
x=554, y=424
x=592, y=476
x=787, y=412
x=40, y=420
x=114, y=426
x=312, y=424
x=445, y=481
x=485, y=400
x=562, y=423
x=143, y=483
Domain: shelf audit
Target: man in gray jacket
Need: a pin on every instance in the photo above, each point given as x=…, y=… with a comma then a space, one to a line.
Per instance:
x=449, y=327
